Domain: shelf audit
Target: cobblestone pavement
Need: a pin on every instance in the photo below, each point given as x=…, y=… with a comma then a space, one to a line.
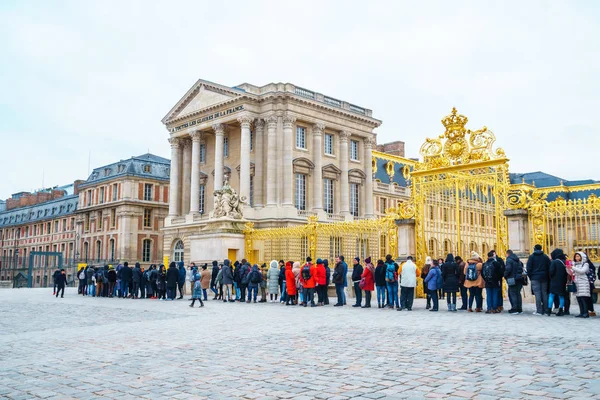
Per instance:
x=113, y=348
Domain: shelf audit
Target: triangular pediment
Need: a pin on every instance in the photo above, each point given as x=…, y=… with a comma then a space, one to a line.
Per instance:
x=201, y=96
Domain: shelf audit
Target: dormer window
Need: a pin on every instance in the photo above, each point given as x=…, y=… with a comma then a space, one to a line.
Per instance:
x=148, y=169
x=107, y=171
x=94, y=175
x=121, y=168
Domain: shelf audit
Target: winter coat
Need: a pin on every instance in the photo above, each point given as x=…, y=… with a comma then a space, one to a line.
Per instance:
x=265, y=278
x=282, y=274
x=345, y=273
x=357, y=271
x=215, y=272
x=136, y=274
x=55, y=275
x=321, y=275
x=256, y=275
x=227, y=273
x=380, y=275
x=161, y=280
x=408, y=274
x=311, y=282
x=538, y=266
x=494, y=282
x=290, y=281
x=182, y=274
x=172, y=277
x=205, y=276
x=327, y=275
x=244, y=279
x=60, y=280
x=479, y=282
x=369, y=276
x=450, y=275
x=219, y=278
x=461, y=273
x=112, y=276
x=514, y=269
x=126, y=274
x=236, y=272
x=197, y=279
x=273, y=277
x=431, y=279
x=558, y=277
x=89, y=274
x=338, y=274
x=582, y=282
x=296, y=271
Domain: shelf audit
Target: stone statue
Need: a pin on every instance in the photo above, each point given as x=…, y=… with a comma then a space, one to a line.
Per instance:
x=228, y=203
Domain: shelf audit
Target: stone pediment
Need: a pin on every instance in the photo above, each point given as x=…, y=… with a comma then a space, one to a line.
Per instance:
x=201, y=96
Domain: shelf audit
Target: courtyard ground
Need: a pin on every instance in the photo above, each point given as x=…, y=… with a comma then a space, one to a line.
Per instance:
x=87, y=348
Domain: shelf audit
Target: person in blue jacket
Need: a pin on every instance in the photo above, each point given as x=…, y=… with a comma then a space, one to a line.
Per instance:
x=181, y=280
x=432, y=281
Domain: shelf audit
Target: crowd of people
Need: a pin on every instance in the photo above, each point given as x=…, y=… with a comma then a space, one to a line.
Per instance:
x=552, y=280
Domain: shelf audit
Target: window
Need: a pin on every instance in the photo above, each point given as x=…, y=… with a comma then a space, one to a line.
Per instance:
x=99, y=220
x=147, y=168
x=354, y=150
x=98, y=250
x=300, y=192
x=111, y=249
x=89, y=197
x=101, y=195
x=202, y=190
x=431, y=213
x=251, y=199
x=148, y=191
x=471, y=219
x=72, y=224
x=147, y=218
x=300, y=137
x=445, y=215
x=56, y=226
x=251, y=140
x=482, y=219
x=107, y=171
x=494, y=222
x=64, y=224
x=226, y=146
x=354, y=205
x=383, y=205
x=328, y=143
x=146, y=245
x=86, y=251
x=178, y=252
x=121, y=168
x=202, y=152
x=115, y=191
x=328, y=195
x=113, y=217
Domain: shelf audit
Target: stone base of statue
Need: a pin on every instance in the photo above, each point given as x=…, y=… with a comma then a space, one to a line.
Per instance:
x=223, y=236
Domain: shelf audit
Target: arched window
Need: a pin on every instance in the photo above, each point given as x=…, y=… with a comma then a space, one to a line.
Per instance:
x=146, y=250
x=178, y=252
x=473, y=247
x=86, y=251
x=98, y=250
x=432, y=248
x=485, y=248
x=447, y=247
x=111, y=249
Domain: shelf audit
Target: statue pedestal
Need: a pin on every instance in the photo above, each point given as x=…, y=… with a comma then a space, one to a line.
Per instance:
x=221, y=238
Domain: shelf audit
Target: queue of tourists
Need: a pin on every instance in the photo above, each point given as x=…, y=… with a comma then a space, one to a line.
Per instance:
x=552, y=280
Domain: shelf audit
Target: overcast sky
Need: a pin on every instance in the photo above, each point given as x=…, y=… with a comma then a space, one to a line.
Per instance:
x=97, y=77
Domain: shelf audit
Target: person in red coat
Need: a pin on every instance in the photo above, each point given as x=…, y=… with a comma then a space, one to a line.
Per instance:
x=308, y=278
x=290, y=284
x=368, y=277
x=321, y=278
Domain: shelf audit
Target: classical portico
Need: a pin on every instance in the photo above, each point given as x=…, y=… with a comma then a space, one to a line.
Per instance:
x=289, y=152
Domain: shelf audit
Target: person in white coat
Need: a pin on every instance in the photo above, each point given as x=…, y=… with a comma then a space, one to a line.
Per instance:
x=408, y=281
x=273, y=277
x=582, y=282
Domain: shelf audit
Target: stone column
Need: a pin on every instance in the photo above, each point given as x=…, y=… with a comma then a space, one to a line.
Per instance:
x=219, y=162
x=187, y=176
x=368, y=166
x=245, y=122
x=174, y=194
x=271, y=161
x=259, y=127
x=195, y=184
x=288, y=176
x=344, y=188
x=317, y=150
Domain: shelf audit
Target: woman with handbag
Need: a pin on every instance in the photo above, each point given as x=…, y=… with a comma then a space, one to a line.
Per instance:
x=558, y=281
x=582, y=283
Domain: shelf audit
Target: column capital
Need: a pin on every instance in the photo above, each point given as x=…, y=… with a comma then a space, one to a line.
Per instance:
x=288, y=120
x=369, y=142
x=219, y=129
x=271, y=121
x=175, y=143
x=344, y=135
x=318, y=129
x=185, y=142
x=245, y=121
x=196, y=136
x=259, y=124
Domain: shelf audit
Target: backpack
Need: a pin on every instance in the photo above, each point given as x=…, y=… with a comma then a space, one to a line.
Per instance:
x=592, y=272
x=471, y=272
x=245, y=278
x=306, y=272
x=255, y=277
x=488, y=270
x=438, y=280
x=99, y=276
x=389, y=274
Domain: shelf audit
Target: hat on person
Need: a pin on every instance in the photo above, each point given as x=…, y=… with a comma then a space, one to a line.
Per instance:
x=357, y=259
x=368, y=260
x=319, y=261
x=308, y=259
x=475, y=256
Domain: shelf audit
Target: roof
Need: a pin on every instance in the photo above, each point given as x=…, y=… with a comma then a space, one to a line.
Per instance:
x=557, y=187
x=145, y=166
x=61, y=207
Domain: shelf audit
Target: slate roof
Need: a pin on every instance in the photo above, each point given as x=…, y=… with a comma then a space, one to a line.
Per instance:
x=61, y=207
x=135, y=166
x=382, y=175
